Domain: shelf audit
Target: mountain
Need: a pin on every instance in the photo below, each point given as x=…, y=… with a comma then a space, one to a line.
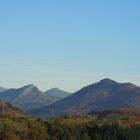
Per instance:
x=106, y=94
x=26, y=98
x=57, y=93
x=30, y=97
x=2, y=89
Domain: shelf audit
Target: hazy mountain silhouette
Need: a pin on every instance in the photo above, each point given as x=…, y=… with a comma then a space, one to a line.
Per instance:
x=30, y=97
x=106, y=94
x=58, y=93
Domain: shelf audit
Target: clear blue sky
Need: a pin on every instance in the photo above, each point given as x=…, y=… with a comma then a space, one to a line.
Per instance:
x=69, y=43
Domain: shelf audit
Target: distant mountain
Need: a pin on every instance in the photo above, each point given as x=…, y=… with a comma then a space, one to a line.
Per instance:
x=26, y=98
x=2, y=89
x=57, y=93
x=30, y=97
x=106, y=94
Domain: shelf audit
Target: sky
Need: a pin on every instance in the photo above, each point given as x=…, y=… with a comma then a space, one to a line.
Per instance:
x=69, y=43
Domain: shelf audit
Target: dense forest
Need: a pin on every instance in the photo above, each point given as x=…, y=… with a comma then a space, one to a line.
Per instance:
x=66, y=128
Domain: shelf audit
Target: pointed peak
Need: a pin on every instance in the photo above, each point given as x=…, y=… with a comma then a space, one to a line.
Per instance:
x=108, y=81
x=55, y=89
x=29, y=89
x=30, y=85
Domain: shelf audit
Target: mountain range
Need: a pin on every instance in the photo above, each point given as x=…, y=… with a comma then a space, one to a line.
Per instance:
x=104, y=95
x=30, y=97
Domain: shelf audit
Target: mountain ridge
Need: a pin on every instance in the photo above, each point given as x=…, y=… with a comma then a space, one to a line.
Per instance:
x=29, y=97
x=105, y=94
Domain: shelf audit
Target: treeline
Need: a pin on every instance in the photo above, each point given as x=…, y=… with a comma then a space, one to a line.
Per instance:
x=60, y=129
x=92, y=131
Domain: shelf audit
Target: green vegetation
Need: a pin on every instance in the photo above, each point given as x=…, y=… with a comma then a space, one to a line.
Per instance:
x=67, y=128
x=21, y=128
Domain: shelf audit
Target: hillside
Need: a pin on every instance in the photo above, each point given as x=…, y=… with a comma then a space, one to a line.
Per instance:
x=86, y=127
x=117, y=114
x=8, y=109
x=21, y=128
x=104, y=95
